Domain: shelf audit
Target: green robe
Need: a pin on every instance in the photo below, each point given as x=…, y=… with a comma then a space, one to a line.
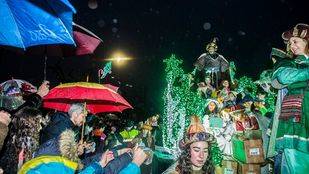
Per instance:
x=293, y=74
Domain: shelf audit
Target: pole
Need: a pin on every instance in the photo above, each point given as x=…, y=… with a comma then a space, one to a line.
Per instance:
x=85, y=111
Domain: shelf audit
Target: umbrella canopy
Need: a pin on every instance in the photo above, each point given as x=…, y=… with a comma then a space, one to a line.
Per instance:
x=98, y=98
x=16, y=86
x=85, y=43
x=35, y=22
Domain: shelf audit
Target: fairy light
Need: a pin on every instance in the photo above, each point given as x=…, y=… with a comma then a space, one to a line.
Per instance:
x=179, y=103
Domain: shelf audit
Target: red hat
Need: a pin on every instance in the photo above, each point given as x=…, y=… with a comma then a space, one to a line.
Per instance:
x=300, y=30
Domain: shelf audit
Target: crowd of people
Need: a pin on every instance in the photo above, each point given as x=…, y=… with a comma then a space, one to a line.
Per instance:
x=31, y=142
x=78, y=142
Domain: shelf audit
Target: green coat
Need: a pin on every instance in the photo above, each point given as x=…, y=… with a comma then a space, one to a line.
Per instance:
x=293, y=74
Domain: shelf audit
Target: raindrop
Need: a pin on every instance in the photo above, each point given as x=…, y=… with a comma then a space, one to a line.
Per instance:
x=241, y=33
x=230, y=39
x=207, y=26
x=115, y=21
x=114, y=30
x=92, y=4
x=118, y=36
x=101, y=23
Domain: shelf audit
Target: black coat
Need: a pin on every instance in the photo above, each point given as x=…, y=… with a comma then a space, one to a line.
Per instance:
x=59, y=122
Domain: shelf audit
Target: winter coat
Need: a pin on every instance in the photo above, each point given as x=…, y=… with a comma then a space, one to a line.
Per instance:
x=3, y=132
x=132, y=168
x=61, y=165
x=59, y=123
x=65, y=146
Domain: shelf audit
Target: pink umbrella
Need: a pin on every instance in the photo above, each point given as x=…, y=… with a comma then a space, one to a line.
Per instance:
x=112, y=87
x=86, y=41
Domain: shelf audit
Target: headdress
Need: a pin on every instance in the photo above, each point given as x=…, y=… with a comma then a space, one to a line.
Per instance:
x=300, y=30
x=195, y=133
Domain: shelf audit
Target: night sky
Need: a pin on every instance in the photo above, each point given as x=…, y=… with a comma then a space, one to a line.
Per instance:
x=152, y=30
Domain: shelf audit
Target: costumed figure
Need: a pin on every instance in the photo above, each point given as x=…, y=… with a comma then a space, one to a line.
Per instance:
x=147, y=131
x=259, y=103
x=230, y=100
x=212, y=63
x=196, y=153
x=293, y=73
x=240, y=119
x=224, y=135
x=247, y=102
x=224, y=91
x=205, y=88
x=211, y=119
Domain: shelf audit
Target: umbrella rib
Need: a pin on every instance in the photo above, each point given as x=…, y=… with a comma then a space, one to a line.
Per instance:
x=88, y=31
x=65, y=28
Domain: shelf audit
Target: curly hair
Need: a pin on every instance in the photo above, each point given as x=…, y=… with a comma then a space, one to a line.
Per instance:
x=185, y=165
x=23, y=135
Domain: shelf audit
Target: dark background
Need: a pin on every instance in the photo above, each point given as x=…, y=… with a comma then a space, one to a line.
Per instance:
x=151, y=30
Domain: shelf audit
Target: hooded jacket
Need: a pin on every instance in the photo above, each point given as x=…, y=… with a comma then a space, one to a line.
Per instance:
x=59, y=123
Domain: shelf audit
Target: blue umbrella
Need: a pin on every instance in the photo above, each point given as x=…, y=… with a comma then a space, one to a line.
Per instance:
x=26, y=23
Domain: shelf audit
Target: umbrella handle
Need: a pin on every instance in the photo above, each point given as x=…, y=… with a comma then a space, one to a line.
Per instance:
x=83, y=126
x=45, y=66
x=82, y=137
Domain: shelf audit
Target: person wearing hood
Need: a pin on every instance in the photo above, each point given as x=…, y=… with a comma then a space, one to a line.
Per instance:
x=60, y=155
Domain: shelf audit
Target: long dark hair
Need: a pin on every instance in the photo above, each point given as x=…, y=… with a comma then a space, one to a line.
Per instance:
x=185, y=165
x=23, y=134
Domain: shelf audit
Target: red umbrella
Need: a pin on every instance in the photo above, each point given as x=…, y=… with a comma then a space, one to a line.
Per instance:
x=97, y=97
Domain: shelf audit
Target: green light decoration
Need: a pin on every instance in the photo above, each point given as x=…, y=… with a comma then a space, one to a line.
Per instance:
x=265, y=82
x=232, y=71
x=179, y=103
x=270, y=101
x=216, y=154
x=247, y=86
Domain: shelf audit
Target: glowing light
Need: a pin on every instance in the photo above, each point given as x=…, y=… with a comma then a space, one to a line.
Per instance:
x=119, y=58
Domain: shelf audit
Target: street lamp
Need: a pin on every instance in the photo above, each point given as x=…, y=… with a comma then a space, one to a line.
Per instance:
x=119, y=58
